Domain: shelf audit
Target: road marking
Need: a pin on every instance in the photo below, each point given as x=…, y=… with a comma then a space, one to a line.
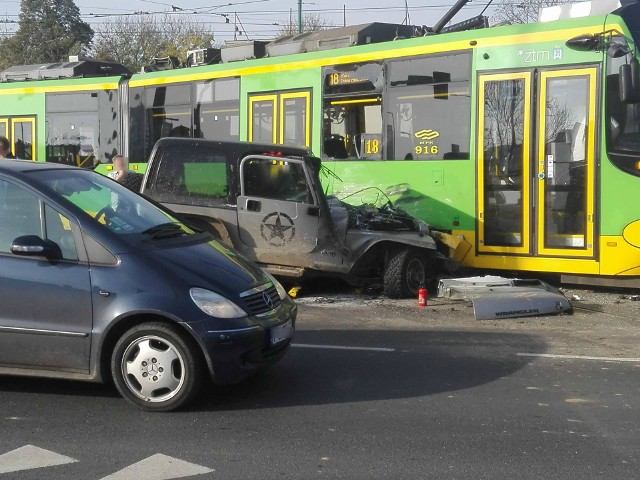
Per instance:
x=159, y=467
x=581, y=357
x=339, y=347
x=30, y=457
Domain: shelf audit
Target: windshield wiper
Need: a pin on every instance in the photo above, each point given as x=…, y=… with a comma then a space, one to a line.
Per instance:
x=170, y=229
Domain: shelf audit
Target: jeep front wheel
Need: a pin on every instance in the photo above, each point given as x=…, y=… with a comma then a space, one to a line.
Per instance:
x=405, y=272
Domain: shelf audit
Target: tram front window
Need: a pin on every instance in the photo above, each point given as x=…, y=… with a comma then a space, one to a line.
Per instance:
x=352, y=129
x=623, y=123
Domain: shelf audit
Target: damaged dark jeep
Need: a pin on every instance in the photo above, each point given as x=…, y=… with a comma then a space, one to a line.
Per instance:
x=267, y=202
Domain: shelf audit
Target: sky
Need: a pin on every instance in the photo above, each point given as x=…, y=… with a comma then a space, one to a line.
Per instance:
x=262, y=19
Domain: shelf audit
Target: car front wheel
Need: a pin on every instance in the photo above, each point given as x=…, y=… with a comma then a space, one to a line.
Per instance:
x=155, y=367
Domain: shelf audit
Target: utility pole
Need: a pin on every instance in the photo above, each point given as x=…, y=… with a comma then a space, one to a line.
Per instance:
x=299, y=16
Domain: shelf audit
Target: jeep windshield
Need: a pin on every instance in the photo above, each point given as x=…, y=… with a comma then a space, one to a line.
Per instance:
x=113, y=205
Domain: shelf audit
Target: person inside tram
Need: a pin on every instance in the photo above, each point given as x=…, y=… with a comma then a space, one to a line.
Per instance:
x=120, y=168
x=5, y=148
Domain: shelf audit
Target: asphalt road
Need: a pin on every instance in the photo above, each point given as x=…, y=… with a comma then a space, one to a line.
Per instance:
x=425, y=393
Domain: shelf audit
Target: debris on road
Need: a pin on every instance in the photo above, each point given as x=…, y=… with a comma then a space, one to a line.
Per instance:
x=499, y=297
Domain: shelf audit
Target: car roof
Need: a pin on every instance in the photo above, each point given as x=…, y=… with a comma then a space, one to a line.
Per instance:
x=236, y=146
x=22, y=166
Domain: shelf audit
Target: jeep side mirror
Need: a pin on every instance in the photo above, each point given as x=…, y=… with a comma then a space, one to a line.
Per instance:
x=34, y=246
x=629, y=82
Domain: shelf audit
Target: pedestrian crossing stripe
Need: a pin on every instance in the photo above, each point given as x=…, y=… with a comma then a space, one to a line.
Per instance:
x=30, y=457
x=159, y=467
x=155, y=467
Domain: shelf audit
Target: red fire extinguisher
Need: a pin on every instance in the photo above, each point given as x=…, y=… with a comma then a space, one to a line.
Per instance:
x=422, y=296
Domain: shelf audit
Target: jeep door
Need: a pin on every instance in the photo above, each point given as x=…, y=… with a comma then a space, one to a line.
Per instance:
x=278, y=211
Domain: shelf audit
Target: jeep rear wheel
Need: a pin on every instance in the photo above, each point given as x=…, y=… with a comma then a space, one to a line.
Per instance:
x=405, y=272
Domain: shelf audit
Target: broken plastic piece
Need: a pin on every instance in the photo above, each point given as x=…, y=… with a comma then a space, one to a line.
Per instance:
x=293, y=292
x=498, y=297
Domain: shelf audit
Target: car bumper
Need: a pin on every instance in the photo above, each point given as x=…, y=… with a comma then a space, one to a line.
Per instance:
x=236, y=354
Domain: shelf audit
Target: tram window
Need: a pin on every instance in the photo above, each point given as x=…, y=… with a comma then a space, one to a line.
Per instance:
x=503, y=157
x=137, y=141
x=566, y=142
x=353, y=78
x=294, y=118
x=72, y=102
x=167, y=95
x=82, y=128
x=217, y=109
x=3, y=129
x=623, y=125
x=108, y=126
x=263, y=127
x=168, y=113
x=429, y=108
x=72, y=138
x=22, y=139
x=353, y=130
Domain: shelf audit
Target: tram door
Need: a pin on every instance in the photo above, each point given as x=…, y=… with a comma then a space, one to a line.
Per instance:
x=536, y=163
x=280, y=118
x=565, y=163
x=21, y=134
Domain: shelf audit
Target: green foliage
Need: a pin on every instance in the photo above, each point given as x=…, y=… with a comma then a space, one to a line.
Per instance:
x=48, y=32
x=134, y=40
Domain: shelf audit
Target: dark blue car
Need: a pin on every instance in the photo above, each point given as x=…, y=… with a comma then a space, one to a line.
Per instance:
x=98, y=282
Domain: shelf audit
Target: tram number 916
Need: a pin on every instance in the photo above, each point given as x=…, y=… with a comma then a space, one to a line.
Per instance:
x=426, y=150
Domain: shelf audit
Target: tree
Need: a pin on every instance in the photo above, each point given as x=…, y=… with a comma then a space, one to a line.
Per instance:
x=526, y=11
x=134, y=40
x=5, y=35
x=310, y=23
x=48, y=32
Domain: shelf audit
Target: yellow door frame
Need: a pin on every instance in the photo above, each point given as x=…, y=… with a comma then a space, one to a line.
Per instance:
x=588, y=251
x=30, y=120
x=525, y=248
x=273, y=98
x=4, y=122
x=306, y=95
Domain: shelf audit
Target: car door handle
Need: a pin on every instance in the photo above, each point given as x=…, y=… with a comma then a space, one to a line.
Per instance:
x=313, y=211
x=254, y=205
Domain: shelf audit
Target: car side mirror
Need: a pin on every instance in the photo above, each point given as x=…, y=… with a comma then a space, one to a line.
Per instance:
x=34, y=246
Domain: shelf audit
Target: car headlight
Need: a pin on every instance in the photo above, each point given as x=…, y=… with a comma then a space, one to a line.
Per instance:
x=215, y=304
x=282, y=293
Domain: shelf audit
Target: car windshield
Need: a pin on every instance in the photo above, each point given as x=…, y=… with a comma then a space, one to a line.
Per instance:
x=113, y=205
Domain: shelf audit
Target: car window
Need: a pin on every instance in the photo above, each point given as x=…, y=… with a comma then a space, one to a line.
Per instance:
x=19, y=214
x=192, y=172
x=275, y=179
x=58, y=229
x=113, y=205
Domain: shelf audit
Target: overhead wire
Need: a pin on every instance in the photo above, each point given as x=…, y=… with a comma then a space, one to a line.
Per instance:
x=269, y=18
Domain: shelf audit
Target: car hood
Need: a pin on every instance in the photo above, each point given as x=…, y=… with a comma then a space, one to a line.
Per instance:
x=209, y=265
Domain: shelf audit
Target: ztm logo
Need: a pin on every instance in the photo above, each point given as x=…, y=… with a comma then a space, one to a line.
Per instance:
x=427, y=134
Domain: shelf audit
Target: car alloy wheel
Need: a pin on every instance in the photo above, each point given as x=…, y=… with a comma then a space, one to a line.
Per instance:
x=157, y=366
x=153, y=369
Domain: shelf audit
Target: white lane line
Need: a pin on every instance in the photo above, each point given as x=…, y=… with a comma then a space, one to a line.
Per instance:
x=159, y=467
x=581, y=357
x=30, y=457
x=340, y=347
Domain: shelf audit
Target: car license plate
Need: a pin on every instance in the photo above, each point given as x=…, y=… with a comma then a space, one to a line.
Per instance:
x=281, y=333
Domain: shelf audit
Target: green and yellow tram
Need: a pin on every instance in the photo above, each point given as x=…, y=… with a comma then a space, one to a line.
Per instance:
x=521, y=141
